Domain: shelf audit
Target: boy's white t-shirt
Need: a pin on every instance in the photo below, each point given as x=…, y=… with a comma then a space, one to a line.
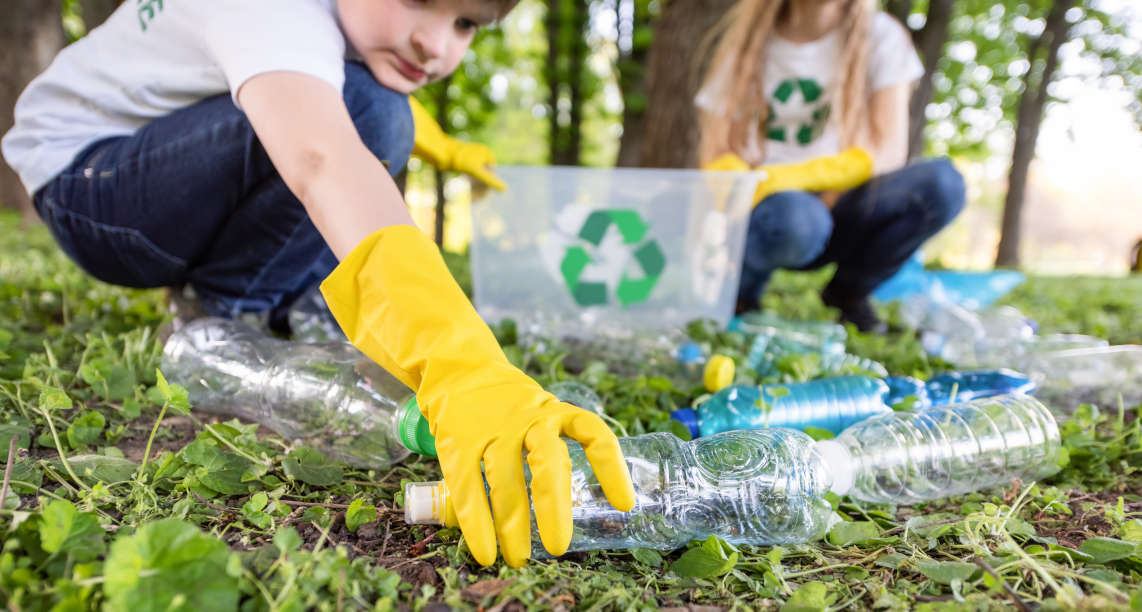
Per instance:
x=801, y=80
x=153, y=57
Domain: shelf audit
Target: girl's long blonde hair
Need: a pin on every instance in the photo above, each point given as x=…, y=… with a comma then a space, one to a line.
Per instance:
x=736, y=74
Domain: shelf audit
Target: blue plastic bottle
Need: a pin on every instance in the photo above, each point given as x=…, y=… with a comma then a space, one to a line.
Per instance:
x=901, y=387
x=976, y=384
x=831, y=404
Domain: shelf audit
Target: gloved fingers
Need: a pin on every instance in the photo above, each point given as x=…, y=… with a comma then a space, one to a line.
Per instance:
x=469, y=499
x=503, y=468
x=606, y=457
x=487, y=177
x=550, y=485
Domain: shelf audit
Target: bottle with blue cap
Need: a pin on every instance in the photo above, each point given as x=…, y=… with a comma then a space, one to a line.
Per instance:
x=835, y=403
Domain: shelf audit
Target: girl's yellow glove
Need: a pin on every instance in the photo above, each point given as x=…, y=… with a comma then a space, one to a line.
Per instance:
x=396, y=301
x=845, y=170
x=431, y=144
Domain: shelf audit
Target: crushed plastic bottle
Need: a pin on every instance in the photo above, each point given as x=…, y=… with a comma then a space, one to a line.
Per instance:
x=767, y=486
x=831, y=404
x=763, y=486
x=326, y=396
x=909, y=457
x=966, y=386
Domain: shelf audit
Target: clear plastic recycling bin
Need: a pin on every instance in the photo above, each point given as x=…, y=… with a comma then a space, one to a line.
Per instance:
x=582, y=251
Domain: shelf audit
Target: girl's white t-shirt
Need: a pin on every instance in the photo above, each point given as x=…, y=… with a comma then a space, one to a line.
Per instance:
x=153, y=57
x=801, y=80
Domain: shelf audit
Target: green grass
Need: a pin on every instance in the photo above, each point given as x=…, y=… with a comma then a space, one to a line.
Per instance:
x=122, y=497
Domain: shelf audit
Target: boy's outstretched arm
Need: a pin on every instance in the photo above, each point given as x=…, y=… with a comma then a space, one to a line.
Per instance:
x=396, y=301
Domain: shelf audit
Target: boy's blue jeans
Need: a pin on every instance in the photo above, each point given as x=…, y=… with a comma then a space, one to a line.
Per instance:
x=869, y=233
x=192, y=198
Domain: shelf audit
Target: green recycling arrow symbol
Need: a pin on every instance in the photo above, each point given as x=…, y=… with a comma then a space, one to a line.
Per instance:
x=630, y=290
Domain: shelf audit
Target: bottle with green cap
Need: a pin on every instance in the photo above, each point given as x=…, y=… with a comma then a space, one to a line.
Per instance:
x=327, y=396
x=324, y=395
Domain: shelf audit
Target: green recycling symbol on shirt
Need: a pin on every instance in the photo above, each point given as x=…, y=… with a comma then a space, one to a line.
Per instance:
x=810, y=92
x=646, y=252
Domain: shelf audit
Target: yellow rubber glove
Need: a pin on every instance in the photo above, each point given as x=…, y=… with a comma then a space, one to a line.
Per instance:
x=396, y=301
x=431, y=144
x=839, y=172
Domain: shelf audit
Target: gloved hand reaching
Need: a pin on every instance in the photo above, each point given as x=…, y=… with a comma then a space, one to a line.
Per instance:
x=396, y=301
x=431, y=144
x=845, y=170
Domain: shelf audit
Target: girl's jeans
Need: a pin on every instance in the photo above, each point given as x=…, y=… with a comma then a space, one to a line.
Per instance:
x=192, y=198
x=870, y=232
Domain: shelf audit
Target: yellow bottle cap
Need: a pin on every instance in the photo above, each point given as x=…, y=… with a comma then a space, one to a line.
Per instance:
x=719, y=373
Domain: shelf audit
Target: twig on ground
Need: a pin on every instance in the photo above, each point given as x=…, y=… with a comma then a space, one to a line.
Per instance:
x=290, y=502
x=8, y=471
x=211, y=505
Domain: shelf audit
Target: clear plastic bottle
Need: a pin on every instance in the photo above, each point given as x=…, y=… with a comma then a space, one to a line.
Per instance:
x=763, y=486
x=328, y=396
x=766, y=352
x=908, y=457
x=311, y=321
x=831, y=404
x=942, y=389
x=767, y=486
x=822, y=336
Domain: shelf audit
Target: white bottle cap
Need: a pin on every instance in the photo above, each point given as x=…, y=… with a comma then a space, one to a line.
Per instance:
x=424, y=503
x=840, y=463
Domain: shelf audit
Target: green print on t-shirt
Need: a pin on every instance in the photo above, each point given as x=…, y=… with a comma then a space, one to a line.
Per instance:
x=148, y=10
x=810, y=92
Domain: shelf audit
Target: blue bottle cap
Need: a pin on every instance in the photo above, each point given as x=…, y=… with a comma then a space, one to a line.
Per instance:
x=687, y=417
x=689, y=352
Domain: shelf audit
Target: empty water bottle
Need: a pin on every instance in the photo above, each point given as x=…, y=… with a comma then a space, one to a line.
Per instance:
x=767, y=486
x=766, y=353
x=327, y=396
x=965, y=386
x=311, y=321
x=821, y=335
x=831, y=404
x=748, y=487
x=908, y=457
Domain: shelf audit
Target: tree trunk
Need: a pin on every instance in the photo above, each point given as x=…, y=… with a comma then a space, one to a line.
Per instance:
x=632, y=78
x=1028, y=119
x=566, y=24
x=95, y=12
x=441, y=100
x=899, y=9
x=671, y=138
x=552, y=23
x=31, y=33
x=930, y=42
